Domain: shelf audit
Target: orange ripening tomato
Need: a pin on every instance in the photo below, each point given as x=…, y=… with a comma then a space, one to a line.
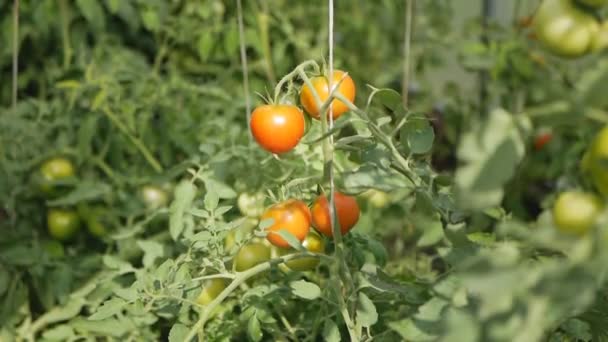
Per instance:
x=292, y=216
x=277, y=128
x=347, y=211
x=541, y=140
x=346, y=88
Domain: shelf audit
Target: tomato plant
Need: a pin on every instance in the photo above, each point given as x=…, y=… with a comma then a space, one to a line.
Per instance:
x=347, y=212
x=464, y=219
x=345, y=86
x=277, y=128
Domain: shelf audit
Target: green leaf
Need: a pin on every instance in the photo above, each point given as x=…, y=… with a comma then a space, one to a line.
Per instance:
x=426, y=323
x=460, y=326
x=211, y=200
x=231, y=40
x=418, y=133
x=113, y=262
x=178, y=333
x=205, y=45
x=93, y=12
x=128, y=294
x=18, y=255
x=389, y=98
x=592, y=85
x=65, y=312
x=304, y=289
x=84, y=191
x=151, y=20
x=184, y=196
x=223, y=190
x=432, y=230
x=86, y=132
x=109, y=327
x=290, y=238
x=4, y=281
x=113, y=5
x=331, y=333
x=366, y=311
x=59, y=333
x=254, y=330
x=490, y=154
x=152, y=251
x=108, y=309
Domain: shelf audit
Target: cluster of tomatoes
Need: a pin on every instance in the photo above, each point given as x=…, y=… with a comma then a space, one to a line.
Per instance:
x=278, y=128
x=576, y=212
x=63, y=223
x=571, y=28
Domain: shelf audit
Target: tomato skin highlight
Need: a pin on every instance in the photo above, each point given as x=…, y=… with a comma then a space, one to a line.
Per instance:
x=347, y=88
x=63, y=224
x=153, y=196
x=565, y=29
x=292, y=216
x=347, y=211
x=277, y=128
x=251, y=255
x=575, y=212
x=211, y=289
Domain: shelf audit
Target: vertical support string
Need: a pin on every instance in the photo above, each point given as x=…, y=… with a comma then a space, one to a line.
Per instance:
x=330, y=114
x=15, y=52
x=405, y=84
x=239, y=9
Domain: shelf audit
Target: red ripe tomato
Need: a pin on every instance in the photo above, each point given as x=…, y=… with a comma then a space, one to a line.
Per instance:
x=292, y=216
x=347, y=89
x=541, y=140
x=277, y=128
x=347, y=211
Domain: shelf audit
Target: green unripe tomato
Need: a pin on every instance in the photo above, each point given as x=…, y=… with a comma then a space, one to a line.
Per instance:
x=211, y=289
x=251, y=255
x=576, y=212
x=313, y=243
x=93, y=216
x=564, y=28
x=53, y=170
x=600, y=41
x=595, y=161
x=154, y=197
x=63, y=224
x=593, y=3
x=377, y=198
x=251, y=205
